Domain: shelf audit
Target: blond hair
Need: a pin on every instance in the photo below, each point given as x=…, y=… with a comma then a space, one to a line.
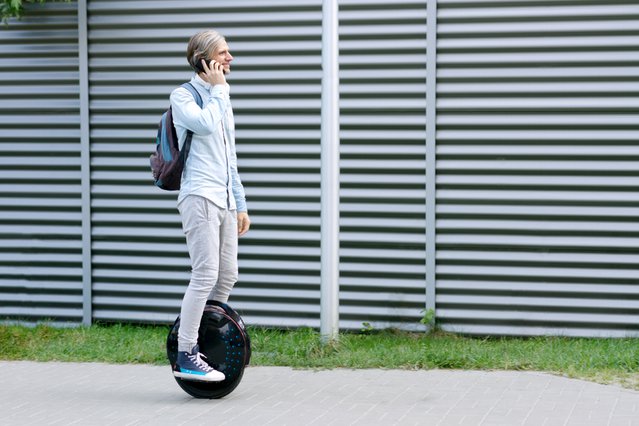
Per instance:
x=202, y=45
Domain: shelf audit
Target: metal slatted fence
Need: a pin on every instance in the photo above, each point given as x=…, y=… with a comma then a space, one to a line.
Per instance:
x=383, y=110
x=40, y=217
x=536, y=171
x=537, y=167
x=137, y=56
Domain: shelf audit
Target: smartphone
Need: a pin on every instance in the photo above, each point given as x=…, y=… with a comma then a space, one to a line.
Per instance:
x=200, y=67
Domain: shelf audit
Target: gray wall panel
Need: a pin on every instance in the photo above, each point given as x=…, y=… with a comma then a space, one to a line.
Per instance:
x=537, y=165
x=383, y=109
x=137, y=52
x=537, y=105
x=40, y=219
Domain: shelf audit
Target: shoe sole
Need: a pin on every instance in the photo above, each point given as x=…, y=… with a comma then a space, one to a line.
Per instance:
x=196, y=378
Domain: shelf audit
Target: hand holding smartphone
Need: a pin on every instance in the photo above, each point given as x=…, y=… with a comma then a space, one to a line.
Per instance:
x=213, y=72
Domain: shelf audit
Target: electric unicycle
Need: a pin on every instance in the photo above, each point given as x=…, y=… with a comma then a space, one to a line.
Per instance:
x=223, y=339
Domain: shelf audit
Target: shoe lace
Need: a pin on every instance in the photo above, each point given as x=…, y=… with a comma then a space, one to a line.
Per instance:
x=198, y=359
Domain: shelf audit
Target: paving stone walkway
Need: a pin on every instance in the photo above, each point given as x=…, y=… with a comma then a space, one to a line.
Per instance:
x=55, y=393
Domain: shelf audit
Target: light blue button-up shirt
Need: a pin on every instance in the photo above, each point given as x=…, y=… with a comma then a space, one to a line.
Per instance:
x=211, y=167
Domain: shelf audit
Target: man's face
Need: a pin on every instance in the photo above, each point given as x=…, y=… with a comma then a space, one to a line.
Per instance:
x=222, y=56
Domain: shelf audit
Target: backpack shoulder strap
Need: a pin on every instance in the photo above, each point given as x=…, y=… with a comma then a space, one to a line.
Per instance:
x=196, y=95
x=184, y=153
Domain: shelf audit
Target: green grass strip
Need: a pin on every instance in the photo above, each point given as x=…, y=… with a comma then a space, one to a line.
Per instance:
x=601, y=360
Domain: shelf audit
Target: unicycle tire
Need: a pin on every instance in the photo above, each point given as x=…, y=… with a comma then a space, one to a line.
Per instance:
x=225, y=343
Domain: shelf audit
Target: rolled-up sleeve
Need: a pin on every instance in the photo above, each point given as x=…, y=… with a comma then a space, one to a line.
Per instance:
x=238, y=188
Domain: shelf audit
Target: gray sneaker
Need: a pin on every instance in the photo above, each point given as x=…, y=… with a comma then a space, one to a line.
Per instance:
x=192, y=366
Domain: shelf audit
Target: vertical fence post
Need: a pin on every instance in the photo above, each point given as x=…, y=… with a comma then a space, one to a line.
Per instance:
x=85, y=159
x=431, y=123
x=329, y=291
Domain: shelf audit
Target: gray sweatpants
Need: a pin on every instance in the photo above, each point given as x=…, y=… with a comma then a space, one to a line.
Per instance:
x=211, y=237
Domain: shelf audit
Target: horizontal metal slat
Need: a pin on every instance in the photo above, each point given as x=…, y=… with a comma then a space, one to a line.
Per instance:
x=556, y=42
x=42, y=313
x=599, y=72
x=534, y=287
x=525, y=302
x=552, y=272
x=382, y=283
x=541, y=317
x=532, y=330
x=539, y=257
x=538, y=88
x=549, y=241
x=191, y=19
x=538, y=210
x=570, y=104
x=34, y=270
x=588, y=182
x=49, y=299
x=129, y=6
x=530, y=196
x=536, y=12
x=539, y=225
x=537, y=27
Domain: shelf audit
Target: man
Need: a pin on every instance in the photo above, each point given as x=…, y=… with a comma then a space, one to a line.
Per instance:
x=211, y=201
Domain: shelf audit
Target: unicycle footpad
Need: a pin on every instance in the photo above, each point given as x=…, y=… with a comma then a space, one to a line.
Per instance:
x=223, y=339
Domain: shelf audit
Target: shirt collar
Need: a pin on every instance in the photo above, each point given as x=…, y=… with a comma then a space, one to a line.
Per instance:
x=206, y=85
x=197, y=79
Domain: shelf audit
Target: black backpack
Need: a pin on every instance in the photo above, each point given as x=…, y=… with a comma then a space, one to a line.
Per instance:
x=167, y=162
